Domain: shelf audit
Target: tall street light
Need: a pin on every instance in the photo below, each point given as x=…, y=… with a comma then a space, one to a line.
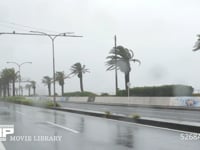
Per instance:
x=116, y=76
x=53, y=37
x=19, y=70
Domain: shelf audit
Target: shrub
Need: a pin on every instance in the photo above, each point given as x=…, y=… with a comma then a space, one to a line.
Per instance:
x=135, y=116
x=165, y=90
x=107, y=114
x=82, y=94
x=50, y=104
x=24, y=101
x=104, y=94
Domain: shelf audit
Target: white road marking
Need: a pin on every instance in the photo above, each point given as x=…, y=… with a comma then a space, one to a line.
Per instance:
x=2, y=147
x=63, y=127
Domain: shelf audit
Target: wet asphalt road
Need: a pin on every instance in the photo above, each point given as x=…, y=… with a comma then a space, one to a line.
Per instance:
x=172, y=114
x=80, y=132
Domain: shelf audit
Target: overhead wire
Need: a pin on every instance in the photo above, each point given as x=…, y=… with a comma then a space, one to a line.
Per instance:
x=18, y=26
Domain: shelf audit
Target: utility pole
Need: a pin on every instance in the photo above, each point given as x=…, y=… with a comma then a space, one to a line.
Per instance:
x=116, y=75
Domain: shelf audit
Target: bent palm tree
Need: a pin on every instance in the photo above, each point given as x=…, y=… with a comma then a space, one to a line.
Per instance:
x=5, y=81
x=60, y=77
x=8, y=75
x=121, y=59
x=197, y=44
x=33, y=85
x=47, y=81
x=28, y=87
x=79, y=70
x=13, y=77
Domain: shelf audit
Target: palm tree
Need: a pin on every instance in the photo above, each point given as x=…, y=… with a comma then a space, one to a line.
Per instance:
x=5, y=81
x=197, y=44
x=60, y=77
x=79, y=70
x=1, y=87
x=47, y=81
x=28, y=86
x=12, y=77
x=8, y=76
x=121, y=59
x=33, y=85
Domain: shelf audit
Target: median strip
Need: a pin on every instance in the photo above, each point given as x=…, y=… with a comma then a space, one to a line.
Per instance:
x=145, y=121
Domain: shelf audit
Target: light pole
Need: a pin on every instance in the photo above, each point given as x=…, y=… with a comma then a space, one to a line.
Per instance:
x=53, y=37
x=19, y=70
x=116, y=76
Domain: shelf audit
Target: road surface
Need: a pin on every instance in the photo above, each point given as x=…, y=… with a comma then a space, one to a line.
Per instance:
x=80, y=132
x=171, y=114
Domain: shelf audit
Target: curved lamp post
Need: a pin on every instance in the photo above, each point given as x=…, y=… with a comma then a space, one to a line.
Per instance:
x=53, y=37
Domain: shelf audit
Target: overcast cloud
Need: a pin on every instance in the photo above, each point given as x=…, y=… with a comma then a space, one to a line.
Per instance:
x=160, y=32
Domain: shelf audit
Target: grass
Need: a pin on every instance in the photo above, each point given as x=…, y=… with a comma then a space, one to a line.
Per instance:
x=107, y=114
x=135, y=116
x=24, y=101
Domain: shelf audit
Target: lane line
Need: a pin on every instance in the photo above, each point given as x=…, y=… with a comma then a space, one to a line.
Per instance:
x=2, y=147
x=63, y=127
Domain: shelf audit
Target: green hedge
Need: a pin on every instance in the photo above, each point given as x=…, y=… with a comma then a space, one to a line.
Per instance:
x=82, y=94
x=165, y=90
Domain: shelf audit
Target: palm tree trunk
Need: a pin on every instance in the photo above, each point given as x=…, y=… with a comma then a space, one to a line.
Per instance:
x=34, y=91
x=49, y=90
x=81, y=84
x=4, y=90
x=22, y=92
x=8, y=89
x=0, y=90
x=13, y=87
x=29, y=91
x=127, y=78
x=62, y=89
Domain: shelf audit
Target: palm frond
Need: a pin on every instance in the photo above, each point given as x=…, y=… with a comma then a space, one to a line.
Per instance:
x=120, y=58
x=78, y=69
x=197, y=44
x=136, y=60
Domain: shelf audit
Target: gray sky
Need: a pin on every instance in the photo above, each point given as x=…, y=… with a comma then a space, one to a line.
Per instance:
x=160, y=32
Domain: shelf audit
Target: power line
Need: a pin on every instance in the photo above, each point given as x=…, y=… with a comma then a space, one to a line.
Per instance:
x=11, y=27
x=17, y=25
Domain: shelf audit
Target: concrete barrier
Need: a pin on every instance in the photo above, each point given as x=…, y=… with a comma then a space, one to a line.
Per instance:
x=148, y=101
x=78, y=99
x=160, y=101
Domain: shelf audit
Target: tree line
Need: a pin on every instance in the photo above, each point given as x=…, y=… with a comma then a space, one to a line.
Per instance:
x=8, y=79
x=119, y=57
x=76, y=70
